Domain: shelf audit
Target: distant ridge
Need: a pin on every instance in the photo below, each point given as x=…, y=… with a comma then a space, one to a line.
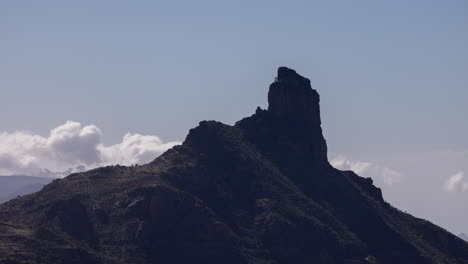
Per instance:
x=17, y=185
x=259, y=192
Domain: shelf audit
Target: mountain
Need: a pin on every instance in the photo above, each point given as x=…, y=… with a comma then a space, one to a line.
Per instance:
x=463, y=236
x=259, y=192
x=16, y=185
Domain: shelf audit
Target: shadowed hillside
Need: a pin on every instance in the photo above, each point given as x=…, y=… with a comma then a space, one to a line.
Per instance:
x=261, y=191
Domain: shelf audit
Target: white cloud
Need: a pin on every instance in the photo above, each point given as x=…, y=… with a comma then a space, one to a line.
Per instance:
x=134, y=148
x=455, y=182
x=72, y=145
x=378, y=173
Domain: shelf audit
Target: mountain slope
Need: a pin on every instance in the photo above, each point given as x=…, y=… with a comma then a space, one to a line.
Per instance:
x=463, y=236
x=261, y=191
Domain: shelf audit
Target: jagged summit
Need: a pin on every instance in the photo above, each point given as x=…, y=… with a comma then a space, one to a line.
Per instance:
x=259, y=192
x=292, y=121
x=291, y=96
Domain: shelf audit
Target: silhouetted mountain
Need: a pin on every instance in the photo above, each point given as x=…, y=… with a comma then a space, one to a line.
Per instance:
x=261, y=191
x=12, y=186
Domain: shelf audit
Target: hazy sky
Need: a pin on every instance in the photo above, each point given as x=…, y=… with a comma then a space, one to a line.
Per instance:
x=393, y=80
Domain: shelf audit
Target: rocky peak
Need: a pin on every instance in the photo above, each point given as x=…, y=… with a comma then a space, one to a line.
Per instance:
x=291, y=96
x=290, y=130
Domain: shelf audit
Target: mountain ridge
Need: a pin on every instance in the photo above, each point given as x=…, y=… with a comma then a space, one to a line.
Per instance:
x=259, y=191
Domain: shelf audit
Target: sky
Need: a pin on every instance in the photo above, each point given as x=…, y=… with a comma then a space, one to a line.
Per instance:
x=92, y=83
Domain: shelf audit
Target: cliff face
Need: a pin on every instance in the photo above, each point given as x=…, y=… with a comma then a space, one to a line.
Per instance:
x=261, y=191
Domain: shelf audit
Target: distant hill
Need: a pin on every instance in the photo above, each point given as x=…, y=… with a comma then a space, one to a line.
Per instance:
x=12, y=186
x=258, y=192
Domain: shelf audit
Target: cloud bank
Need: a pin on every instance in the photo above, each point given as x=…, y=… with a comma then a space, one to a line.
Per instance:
x=456, y=183
x=378, y=173
x=72, y=147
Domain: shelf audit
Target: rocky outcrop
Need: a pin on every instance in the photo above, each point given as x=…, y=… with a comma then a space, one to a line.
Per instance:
x=291, y=96
x=292, y=122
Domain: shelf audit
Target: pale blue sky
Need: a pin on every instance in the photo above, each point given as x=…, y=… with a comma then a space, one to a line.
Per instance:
x=393, y=76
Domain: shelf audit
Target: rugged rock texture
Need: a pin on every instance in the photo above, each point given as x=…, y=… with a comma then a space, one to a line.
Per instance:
x=261, y=191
